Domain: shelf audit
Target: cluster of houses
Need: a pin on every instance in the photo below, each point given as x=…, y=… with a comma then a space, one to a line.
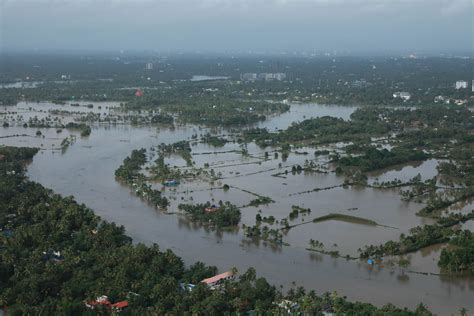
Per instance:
x=104, y=301
x=213, y=283
x=211, y=209
x=252, y=76
x=446, y=100
x=405, y=96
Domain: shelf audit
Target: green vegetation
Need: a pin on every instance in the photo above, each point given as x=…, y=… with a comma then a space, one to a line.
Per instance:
x=420, y=237
x=181, y=148
x=129, y=172
x=222, y=215
x=345, y=218
x=214, y=140
x=374, y=159
x=320, y=130
x=459, y=257
x=97, y=258
x=259, y=201
x=258, y=232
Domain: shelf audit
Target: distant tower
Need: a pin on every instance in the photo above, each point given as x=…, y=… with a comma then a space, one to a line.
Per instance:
x=149, y=66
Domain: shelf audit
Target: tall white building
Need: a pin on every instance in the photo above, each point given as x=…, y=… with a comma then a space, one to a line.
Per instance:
x=461, y=84
x=149, y=66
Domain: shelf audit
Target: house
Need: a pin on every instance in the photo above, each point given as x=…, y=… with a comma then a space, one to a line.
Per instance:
x=441, y=99
x=218, y=279
x=104, y=301
x=171, y=183
x=119, y=306
x=405, y=96
x=211, y=209
x=289, y=306
x=187, y=286
x=2, y=157
x=99, y=301
x=54, y=256
x=459, y=102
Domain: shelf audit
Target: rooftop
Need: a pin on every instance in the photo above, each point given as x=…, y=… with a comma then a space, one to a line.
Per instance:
x=218, y=277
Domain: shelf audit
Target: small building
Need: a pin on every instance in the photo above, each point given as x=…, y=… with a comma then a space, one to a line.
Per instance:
x=52, y=255
x=218, y=279
x=104, y=301
x=248, y=77
x=459, y=101
x=119, y=306
x=139, y=93
x=405, y=96
x=2, y=157
x=99, y=301
x=171, y=182
x=149, y=66
x=289, y=306
x=211, y=209
x=280, y=76
x=187, y=286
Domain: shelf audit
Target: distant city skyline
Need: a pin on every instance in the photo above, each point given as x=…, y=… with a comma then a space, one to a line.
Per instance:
x=226, y=25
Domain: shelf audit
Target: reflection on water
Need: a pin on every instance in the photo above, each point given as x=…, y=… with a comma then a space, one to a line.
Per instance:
x=86, y=170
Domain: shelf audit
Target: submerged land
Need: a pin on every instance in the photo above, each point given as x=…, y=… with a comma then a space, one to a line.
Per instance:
x=314, y=175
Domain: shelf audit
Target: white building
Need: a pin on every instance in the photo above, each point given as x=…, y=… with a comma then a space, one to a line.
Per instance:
x=251, y=76
x=405, y=96
x=280, y=76
x=461, y=84
x=149, y=66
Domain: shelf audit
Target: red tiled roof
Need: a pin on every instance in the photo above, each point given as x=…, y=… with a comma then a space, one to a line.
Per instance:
x=121, y=304
x=211, y=209
x=101, y=300
x=218, y=277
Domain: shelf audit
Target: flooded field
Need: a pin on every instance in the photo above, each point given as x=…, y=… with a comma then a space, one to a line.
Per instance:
x=86, y=170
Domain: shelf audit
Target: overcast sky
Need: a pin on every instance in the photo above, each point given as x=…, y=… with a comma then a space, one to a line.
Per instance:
x=229, y=25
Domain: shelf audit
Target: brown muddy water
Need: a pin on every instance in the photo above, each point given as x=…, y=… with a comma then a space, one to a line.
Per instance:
x=86, y=171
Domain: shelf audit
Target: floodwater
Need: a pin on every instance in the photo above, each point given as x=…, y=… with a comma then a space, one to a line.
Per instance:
x=86, y=170
x=301, y=112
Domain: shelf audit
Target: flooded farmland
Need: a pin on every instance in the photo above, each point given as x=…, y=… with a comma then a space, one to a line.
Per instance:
x=86, y=170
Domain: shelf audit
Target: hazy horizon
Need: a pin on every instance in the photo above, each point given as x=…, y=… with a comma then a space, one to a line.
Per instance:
x=347, y=26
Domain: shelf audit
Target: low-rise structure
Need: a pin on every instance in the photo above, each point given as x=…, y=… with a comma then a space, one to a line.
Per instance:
x=170, y=182
x=266, y=76
x=217, y=280
x=211, y=209
x=104, y=301
x=405, y=96
x=99, y=301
